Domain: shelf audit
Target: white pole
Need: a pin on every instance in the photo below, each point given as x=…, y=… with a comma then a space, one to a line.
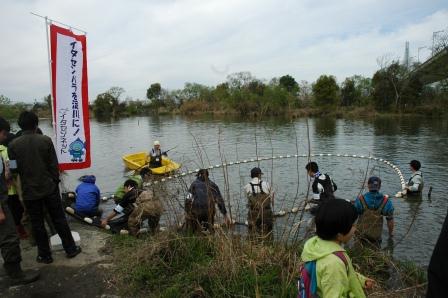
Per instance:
x=53, y=121
x=57, y=22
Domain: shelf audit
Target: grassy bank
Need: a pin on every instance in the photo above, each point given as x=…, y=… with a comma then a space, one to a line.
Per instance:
x=219, y=265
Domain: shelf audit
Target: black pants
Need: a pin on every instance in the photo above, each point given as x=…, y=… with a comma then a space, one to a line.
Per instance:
x=35, y=210
x=438, y=266
x=9, y=241
x=199, y=219
x=16, y=208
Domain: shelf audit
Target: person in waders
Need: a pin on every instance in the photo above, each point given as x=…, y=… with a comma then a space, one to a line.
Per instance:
x=200, y=204
x=372, y=207
x=137, y=206
x=323, y=186
x=260, y=199
x=415, y=184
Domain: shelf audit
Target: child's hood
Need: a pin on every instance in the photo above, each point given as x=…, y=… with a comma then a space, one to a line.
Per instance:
x=88, y=179
x=316, y=248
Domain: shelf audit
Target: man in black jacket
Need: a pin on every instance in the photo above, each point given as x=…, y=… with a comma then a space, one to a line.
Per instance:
x=37, y=165
x=200, y=203
x=9, y=240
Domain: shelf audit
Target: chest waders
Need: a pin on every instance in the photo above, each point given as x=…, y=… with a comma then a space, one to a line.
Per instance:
x=370, y=223
x=420, y=187
x=259, y=217
x=146, y=207
x=199, y=219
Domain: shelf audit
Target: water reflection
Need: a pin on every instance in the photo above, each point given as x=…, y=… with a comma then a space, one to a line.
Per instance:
x=389, y=126
x=325, y=127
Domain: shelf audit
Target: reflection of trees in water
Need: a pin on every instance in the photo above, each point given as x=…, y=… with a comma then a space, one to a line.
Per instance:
x=386, y=126
x=325, y=127
x=438, y=126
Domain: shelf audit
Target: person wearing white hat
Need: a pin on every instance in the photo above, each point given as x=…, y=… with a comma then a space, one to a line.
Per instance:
x=155, y=156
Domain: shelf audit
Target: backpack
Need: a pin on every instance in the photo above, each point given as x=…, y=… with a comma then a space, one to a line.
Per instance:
x=307, y=283
x=370, y=223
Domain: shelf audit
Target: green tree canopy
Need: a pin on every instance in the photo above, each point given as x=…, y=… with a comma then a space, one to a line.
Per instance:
x=289, y=83
x=388, y=84
x=102, y=106
x=154, y=91
x=326, y=91
x=349, y=94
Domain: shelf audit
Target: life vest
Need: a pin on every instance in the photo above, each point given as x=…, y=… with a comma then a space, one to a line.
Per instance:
x=411, y=182
x=370, y=223
x=155, y=158
x=327, y=185
x=259, y=200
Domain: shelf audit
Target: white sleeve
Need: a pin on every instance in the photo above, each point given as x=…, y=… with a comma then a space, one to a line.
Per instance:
x=247, y=189
x=118, y=209
x=320, y=188
x=417, y=179
x=266, y=187
x=316, y=196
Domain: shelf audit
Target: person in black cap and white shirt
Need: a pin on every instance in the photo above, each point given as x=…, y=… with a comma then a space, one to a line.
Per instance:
x=260, y=199
x=323, y=186
x=415, y=184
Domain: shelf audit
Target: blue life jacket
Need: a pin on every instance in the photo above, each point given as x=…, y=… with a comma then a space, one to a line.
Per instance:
x=87, y=195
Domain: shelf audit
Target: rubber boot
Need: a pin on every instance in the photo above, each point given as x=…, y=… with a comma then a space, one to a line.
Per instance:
x=18, y=276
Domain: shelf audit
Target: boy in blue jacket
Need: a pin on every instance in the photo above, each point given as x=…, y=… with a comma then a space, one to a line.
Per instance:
x=372, y=207
x=87, y=197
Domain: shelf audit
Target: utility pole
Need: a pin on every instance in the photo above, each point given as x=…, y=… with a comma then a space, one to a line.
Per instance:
x=434, y=34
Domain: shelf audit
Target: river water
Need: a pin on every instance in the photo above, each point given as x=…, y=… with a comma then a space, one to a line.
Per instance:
x=206, y=141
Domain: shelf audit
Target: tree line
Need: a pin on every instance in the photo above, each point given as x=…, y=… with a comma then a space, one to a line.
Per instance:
x=393, y=88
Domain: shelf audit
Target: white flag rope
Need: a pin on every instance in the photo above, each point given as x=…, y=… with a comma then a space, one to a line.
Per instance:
x=300, y=207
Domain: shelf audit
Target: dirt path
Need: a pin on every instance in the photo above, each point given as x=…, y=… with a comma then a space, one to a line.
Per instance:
x=82, y=276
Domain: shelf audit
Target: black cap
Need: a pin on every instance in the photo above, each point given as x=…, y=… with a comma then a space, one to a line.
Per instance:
x=415, y=164
x=255, y=172
x=374, y=183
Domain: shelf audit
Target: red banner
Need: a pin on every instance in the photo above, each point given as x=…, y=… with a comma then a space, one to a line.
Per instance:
x=70, y=98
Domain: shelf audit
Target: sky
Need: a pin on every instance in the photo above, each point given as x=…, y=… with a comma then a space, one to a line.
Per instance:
x=134, y=43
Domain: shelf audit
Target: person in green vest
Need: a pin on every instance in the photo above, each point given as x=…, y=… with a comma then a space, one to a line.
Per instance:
x=14, y=203
x=139, y=178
